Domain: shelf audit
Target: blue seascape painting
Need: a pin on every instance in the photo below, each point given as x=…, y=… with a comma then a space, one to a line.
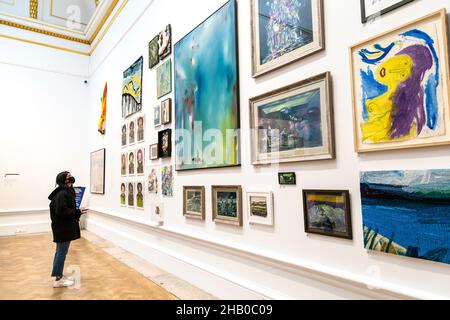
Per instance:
x=407, y=213
x=207, y=94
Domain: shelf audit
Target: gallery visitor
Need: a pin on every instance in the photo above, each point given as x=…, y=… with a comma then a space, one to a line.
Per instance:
x=65, y=219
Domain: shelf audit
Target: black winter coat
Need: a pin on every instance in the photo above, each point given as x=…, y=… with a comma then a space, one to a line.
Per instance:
x=65, y=216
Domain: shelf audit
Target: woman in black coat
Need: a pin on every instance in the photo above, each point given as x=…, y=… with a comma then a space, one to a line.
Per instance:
x=65, y=224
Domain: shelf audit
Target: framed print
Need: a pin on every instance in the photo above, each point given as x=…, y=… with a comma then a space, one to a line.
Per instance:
x=153, y=52
x=328, y=213
x=124, y=135
x=284, y=32
x=131, y=192
x=123, y=164
x=123, y=194
x=167, y=181
x=164, y=79
x=98, y=159
x=165, y=143
x=140, y=129
x=140, y=155
x=294, y=123
x=260, y=208
x=227, y=205
x=217, y=107
x=287, y=178
x=153, y=180
x=132, y=163
x=165, y=42
x=140, y=195
x=371, y=9
x=154, y=152
x=132, y=132
x=166, y=111
x=194, y=202
x=401, y=87
x=407, y=213
x=132, y=89
x=157, y=116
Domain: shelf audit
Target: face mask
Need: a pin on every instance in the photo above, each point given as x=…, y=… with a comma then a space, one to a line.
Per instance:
x=71, y=180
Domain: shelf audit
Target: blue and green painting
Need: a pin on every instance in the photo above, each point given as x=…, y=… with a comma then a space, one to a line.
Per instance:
x=207, y=94
x=407, y=213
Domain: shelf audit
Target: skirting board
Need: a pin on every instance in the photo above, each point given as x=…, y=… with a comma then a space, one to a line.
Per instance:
x=212, y=266
x=24, y=222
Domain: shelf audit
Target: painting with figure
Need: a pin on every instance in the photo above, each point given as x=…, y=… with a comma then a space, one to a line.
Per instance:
x=124, y=135
x=141, y=129
x=285, y=31
x=401, y=89
x=167, y=181
x=140, y=195
x=165, y=42
x=164, y=79
x=140, y=159
x=153, y=180
x=123, y=194
x=132, y=89
x=207, y=93
x=131, y=192
x=407, y=213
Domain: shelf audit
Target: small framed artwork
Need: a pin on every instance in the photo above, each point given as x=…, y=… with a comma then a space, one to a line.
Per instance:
x=166, y=111
x=124, y=135
x=194, y=202
x=227, y=205
x=153, y=52
x=140, y=155
x=132, y=132
x=157, y=115
x=287, y=178
x=140, y=195
x=294, y=123
x=284, y=32
x=123, y=194
x=132, y=163
x=371, y=9
x=154, y=152
x=153, y=180
x=328, y=213
x=164, y=79
x=167, y=181
x=131, y=191
x=165, y=143
x=98, y=161
x=141, y=129
x=165, y=42
x=123, y=164
x=260, y=208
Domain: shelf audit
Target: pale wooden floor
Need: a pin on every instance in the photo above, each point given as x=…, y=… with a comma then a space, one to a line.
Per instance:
x=25, y=268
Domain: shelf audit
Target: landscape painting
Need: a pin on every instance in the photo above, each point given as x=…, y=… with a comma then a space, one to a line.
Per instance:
x=194, y=202
x=227, y=205
x=207, y=94
x=327, y=212
x=260, y=208
x=407, y=213
x=132, y=89
x=401, y=88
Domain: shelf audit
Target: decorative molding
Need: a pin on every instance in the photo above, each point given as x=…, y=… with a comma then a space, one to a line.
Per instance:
x=105, y=18
x=34, y=9
x=24, y=212
x=62, y=18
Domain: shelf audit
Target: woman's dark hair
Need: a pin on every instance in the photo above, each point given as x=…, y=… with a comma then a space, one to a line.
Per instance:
x=61, y=178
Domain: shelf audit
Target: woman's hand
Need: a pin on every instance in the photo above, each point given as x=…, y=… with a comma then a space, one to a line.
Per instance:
x=84, y=211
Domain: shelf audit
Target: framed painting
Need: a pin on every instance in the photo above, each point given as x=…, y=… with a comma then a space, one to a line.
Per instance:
x=131, y=192
x=215, y=111
x=132, y=89
x=132, y=163
x=165, y=42
x=294, y=123
x=401, y=88
x=372, y=9
x=164, y=79
x=287, y=178
x=260, y=208
x=227, y=205
x=124, y=135
x=140, y=129
x=157, y=116
x=165, y=143
x=123, y=194
x=154, y=152
x=166, y=111
x=328, y=213
x=153, y=180
x=123, y=164
x=98, y=161
x=194, y=202
x=407, y=213
x=132, y=132
x=284, y=32
x=153, y=52
x=167, y=181
x=140, y=195
x=140, y=157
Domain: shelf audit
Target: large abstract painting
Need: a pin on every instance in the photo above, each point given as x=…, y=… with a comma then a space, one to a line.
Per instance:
x=407, y=213
x=400, y=87
x=285, y=31
x=207, y=94
x=132, y=89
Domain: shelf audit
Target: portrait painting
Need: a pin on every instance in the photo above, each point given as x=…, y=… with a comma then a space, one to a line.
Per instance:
x=165, y=42
x=124, y=135
x=132, y=89
x=165, y=143
x=123, y=164
x=140, y=129
x=123, y=194
x=98, y=162
x=164, y=79
x=131, y=192
x=140, y=195
x=140, y=155
x=132, y=132
x=227, y=205
x=132, y=163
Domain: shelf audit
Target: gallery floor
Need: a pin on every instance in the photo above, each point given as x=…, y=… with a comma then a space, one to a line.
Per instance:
x=107, y=272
